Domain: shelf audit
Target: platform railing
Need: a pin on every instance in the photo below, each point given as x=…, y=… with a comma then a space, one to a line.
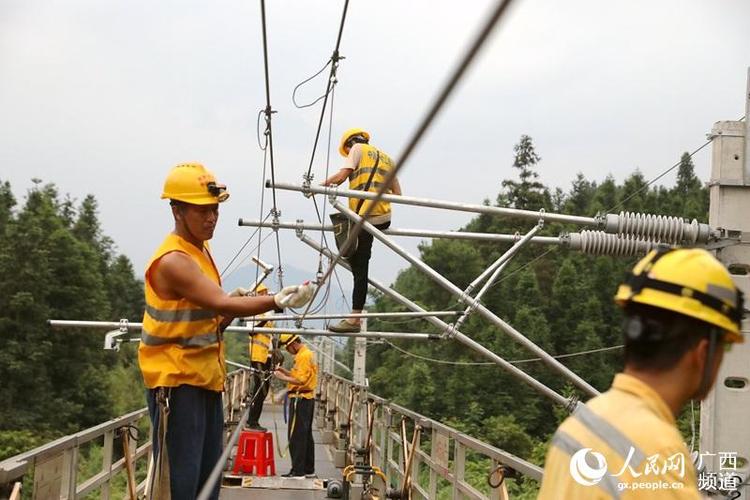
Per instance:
x=55, y=465
x=441, y=453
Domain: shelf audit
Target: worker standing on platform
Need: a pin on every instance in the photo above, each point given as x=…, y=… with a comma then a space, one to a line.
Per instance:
x=301, y=383
x=366, y=167
x=260, y=361
x=682, y=311
x=181, y=354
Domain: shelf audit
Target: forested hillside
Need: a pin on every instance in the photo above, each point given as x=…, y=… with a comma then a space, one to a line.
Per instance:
x=56, y=263
x=562, y=300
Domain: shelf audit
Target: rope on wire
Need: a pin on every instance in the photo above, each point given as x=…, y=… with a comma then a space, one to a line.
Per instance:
x=500, y=9
x=487, y=363
x=294, y=92
x=665, y=172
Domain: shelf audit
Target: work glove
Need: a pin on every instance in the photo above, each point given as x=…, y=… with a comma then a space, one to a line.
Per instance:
x=294, y=296
x=240, y=292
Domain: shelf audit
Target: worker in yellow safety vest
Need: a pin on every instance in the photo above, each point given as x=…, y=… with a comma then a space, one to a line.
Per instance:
x=366, y=167
x=682, y=311
x=301, y=380
x=259, y=346
x=181, y=353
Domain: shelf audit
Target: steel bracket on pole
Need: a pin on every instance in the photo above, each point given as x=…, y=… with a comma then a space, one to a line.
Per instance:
x=111, y=340
x=306, y=182
x=298, y=231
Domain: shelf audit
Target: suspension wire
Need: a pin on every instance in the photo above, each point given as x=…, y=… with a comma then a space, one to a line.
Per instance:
x=243, y=260
x=500, y=9
x=487, y=363
x=331, y=78
x=240, y=250
x=262, y=201
x=239, y=264
x=649, y=183
x=268, y=112
x=294, y=92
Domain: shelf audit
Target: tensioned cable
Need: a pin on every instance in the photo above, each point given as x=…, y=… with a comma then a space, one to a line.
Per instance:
x=269, y=129
x=649, y=183
x=239, y=264
x=236, y=255
x=487, y=363
x=331, y=78
x=468, y=57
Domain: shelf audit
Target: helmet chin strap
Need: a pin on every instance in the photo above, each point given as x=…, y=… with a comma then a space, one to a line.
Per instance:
x=705, y=384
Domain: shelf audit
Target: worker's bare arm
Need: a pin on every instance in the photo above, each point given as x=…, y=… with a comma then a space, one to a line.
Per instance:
x=338, y=177
x=396, y=187
x=177, y=276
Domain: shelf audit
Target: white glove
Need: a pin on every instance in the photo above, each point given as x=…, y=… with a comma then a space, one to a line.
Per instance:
x=295, y=296
x=240, y=292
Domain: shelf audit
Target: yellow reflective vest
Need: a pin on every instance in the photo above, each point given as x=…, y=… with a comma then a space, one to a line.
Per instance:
x=260, y=345
x=358, y=179
x=623, y=444
x=306, y=371
x=180, y=341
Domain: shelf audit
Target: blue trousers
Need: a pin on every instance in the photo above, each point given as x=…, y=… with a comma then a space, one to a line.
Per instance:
x=195, y=427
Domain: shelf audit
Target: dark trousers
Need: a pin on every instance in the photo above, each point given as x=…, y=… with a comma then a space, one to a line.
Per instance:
x=259, y=390
x=301, y=444
x=360, y=264
x=194, y=437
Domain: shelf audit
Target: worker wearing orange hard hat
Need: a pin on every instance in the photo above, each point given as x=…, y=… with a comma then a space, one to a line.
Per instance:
x=366, y=167
x=682, y=311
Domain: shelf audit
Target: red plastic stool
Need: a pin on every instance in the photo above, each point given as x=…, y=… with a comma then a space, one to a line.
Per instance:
x=255, y=454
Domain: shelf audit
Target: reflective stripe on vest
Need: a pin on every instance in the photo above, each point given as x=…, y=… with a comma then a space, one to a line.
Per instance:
x=180, y=341
x=260, y=343
x=565, y=443
x=179, y=315
x=358, y=179
x=200, y=340
x=616, y=440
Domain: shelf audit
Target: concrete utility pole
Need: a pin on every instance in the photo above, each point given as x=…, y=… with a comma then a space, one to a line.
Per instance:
x=725, y=413
x=360, y=357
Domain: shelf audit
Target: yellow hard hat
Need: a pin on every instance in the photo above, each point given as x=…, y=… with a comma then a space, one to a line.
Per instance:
x=287, y=338
x=686, y=281
x=195, y=184
x=261, y=288
x=348, y=135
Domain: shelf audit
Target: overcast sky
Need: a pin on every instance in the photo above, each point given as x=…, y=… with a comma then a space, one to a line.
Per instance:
x=104, y=97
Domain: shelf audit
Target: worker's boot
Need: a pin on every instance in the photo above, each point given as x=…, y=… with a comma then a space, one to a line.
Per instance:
x=344, y=326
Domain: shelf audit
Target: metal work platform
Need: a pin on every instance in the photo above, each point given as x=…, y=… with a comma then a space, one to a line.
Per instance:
x=276, y=487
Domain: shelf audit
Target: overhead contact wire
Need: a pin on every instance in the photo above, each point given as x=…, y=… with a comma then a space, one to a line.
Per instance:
x=269, y=111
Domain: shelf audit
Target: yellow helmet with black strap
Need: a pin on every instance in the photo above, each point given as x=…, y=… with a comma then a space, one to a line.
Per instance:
x=345, y=144
x=687, y=281
x=287, y=338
